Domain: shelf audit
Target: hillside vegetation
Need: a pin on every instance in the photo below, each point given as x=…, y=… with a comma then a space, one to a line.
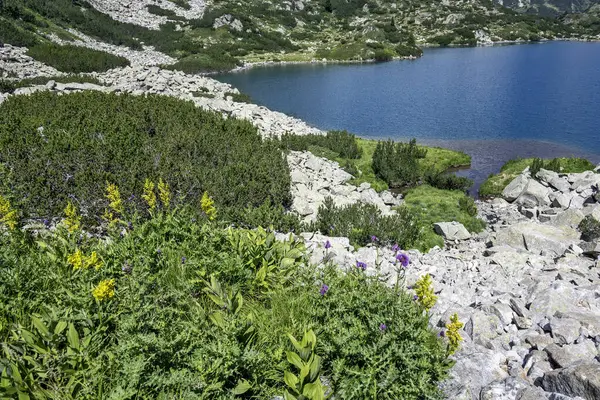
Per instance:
x=229, y=31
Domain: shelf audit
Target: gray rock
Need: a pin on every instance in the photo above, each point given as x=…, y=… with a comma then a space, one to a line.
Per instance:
x=535, y=194
x=571, y=218
x=560, y=200
x=578, y=380
x=571, y=353
x=514, y=189
x=537, y=238
x=564, y=330
x=452, y=230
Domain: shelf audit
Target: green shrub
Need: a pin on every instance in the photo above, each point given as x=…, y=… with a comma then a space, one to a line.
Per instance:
x=447, y=181
x=404, y=50
x=190, y=310
x=211, y=60
x=11, y=34
x=383, y=55
x=75, y=59
x=342, y=143
x=156, y=10
x=239, y=97
x=360, y=221
x=590, y=229
x=60, y=147
x=397, y=163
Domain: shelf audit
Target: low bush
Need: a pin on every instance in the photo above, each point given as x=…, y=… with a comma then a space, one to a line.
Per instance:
x=210, y=60
x=447, y=181
x=75, y=59
x=342, y=143
x=59, y=147
x=590, y=229
x=359, y=222
x=179, y=309
x=7, y=86
x=12, y=34
x=381, y=55
x=239, y=97
x=398, y=163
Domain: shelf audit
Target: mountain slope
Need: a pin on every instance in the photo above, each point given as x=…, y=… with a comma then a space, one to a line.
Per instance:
x=549, y=7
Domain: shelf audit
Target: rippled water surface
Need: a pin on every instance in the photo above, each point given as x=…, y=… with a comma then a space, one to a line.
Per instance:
x=495, y=103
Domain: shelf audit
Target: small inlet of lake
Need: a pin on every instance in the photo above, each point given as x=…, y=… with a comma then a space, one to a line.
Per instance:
x=495, y=103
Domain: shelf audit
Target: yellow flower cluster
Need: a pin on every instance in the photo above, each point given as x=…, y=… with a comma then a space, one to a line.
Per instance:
x=149, y=195
x=424, y=292
x=454, y=337
x=73, y=220
x=164, y=193
x=105, y=290
x=115, y=205
x=208, y=206
x=8, y=215
x=79, y=261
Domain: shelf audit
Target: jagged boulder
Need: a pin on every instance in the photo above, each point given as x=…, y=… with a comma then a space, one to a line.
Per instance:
x=535, y=194
x=515, y=188
x=578, y=380
x=452, y=230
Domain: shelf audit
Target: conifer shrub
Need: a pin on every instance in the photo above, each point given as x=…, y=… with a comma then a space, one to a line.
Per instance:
x=55, y=148
x=75, y=59
x=397, y=163
x=447, y=181
x=360, y=222
x=342, y=143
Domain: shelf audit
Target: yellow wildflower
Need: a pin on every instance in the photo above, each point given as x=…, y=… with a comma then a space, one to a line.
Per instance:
x=8, y=215
x=208, y=206
x=77, y=260
x=115, y=204
x=164, y=193
x=149, y=195
x=452, y=333
x=72, y=220
x=424, y=292
x=105, y=290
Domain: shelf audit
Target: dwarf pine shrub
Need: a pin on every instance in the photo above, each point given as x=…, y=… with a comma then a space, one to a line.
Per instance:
x=65, y=148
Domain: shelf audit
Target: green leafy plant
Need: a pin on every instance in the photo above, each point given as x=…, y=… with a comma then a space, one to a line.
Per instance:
x=397, y=163
x=307, y=384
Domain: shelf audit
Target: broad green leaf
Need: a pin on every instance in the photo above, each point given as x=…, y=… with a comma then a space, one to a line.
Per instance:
x=217, y=318
x=73, y=336
x=242, y=387
x=315, y=368
x=290, y=379
x=304, y=372
x=295, y=343
x=60, y=326
x=288, y=396
x=314, y=391
x=23, y=396
x=294, y=359
x=40, y=326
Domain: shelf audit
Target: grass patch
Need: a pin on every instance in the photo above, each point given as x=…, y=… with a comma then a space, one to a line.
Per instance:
x=433, y=205
x=211, y=60
x=495, y=184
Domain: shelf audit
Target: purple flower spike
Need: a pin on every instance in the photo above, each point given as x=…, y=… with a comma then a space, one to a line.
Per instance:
x=361, y=265
x=374, y=239
x=382, y=327
x=442, y=334
x=324, y=289
x=403, y=259
x=395, y=248
x=183, y=260
x=415, y=297
x=328, y=244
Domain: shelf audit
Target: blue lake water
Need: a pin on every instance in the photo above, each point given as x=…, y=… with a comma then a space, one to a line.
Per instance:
x=495, y=103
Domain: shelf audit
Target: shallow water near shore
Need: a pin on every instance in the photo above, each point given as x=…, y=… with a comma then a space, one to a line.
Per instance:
x=495, y=103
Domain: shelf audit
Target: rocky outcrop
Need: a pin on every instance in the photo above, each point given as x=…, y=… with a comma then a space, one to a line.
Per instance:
x=136, y=11
x=314, y=179
x=452, y=230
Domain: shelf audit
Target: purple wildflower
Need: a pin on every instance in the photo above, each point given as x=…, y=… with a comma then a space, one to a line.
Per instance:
x=327, y=244
x=47, y=223
x=395, y=248
x=126, y=268
x=183, y=260
x=382, y=327
x=324, y=289
x=158, y=251
x=415, y=297
x=442, y=334
x=374, y=239
x=361, y=265
x=132, y=197
x=403, y=259
x=130, y=226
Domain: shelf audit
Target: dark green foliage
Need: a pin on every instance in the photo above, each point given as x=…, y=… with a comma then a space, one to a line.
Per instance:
x=75, y=59
x=7, y=86
x=10, y=33
x=210, y=60
x=90, y=138
x=239, y=97
x=408, y=51
x=536, y=165
x=342, y=143
x=360, y=221
x=443, y=40
x=156, y=10
x=397, y=163
x=447, y=181
x=383, y=55
x=200, y=313
x=590, y=229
